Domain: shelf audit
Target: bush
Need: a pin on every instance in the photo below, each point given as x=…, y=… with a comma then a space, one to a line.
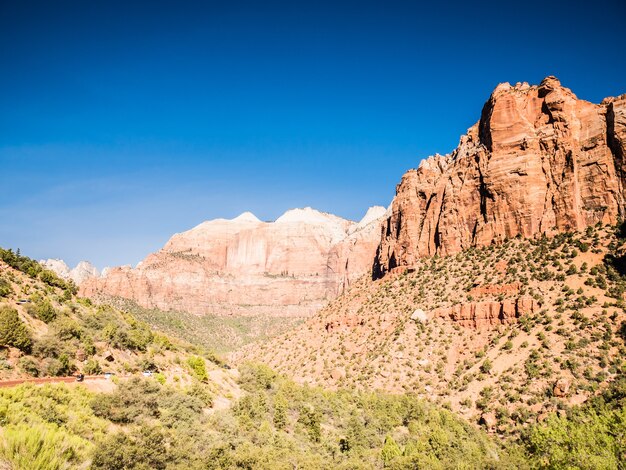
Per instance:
x=133, y=400
x=486, y=366
x=5, y=288
x=198, y=368
x=135, y=338
x=29, y=366
x=44, y=311
x=66, y=329
x=144, y=448
x=13, y=332
x=92, y=367
x=254, y=377
x=48, y=346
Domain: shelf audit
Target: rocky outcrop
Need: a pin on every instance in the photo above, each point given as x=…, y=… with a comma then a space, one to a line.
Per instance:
x=245, y=266
x=487, y=313
x=540, y=160
x=81, y=272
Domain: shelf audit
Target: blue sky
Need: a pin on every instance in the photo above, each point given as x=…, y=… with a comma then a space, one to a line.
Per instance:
x=124, y=122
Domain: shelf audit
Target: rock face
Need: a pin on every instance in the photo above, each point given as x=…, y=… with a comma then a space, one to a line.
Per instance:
x=245, y=266
x=487, y=313
x=84, y=270
x=539, y=161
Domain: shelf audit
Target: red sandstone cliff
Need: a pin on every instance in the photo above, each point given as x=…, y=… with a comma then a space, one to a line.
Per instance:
x=540, y=160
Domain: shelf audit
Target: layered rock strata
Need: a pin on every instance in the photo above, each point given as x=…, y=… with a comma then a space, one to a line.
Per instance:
x=539, y=160
x=245, y=266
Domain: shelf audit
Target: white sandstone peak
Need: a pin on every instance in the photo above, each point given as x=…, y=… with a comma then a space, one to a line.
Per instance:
x=57, y=266
x=308, y=215
x=372, y=214
x=246, y=217
x=82, y=271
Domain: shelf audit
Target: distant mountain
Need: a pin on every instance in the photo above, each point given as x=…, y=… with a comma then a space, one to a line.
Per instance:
x=243, y=266
x=499, y=283
x=81, y=272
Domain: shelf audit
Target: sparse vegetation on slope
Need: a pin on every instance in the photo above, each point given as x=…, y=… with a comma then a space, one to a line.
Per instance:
x=220, y=333
x=45, y=330
x=510, y=373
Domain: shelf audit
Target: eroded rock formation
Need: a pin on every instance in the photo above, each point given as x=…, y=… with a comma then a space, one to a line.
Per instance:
x=540, y=160
x=245, y=266
x=488, y=312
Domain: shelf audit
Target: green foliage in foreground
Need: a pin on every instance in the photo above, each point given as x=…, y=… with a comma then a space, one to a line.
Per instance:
x=275, y=425
x=280, y=425
x=592, y=436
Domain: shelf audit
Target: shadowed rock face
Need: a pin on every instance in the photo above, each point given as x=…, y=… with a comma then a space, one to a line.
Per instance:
x=245, y=266
x=539, y=161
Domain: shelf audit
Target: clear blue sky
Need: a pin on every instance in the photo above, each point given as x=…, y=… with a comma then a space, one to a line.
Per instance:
x=124, y=122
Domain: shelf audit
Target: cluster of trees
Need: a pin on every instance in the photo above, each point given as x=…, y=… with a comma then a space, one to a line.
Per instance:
x=590, y=436
x=278, y=424
x=35, y=270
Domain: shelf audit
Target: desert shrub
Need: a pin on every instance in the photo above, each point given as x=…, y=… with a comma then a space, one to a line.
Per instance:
x=201, y=392
x=177, y=409
x=120, y=336
x=13, y=332
x=43, y=310
x=144, y=448
x=41, y=446
x=5, y=288
x=28, y=365
x=133, y=400
x=256, y=376
x=486, y=366
x=197, y=367
x=66, y=329
x=92, y=367
x=57, y=367
x=48, y=346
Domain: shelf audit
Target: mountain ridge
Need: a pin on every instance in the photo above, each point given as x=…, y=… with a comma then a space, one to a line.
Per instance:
x=539, y=160
x=245, y=266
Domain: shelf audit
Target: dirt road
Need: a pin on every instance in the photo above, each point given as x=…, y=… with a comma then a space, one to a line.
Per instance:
x=45, y=380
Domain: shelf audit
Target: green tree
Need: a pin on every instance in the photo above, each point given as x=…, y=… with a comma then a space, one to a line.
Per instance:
x=45, y=311
x=5, y=288
x=13, y=332
x=390, y=450
x=280, y=411
x=311, y=419
x=144, y=448
x=198, y=368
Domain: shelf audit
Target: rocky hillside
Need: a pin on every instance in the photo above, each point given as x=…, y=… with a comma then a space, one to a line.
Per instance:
x=243, y=266
x=46, y=331
x=498, y=282
x=506, y=332
x=539, y=160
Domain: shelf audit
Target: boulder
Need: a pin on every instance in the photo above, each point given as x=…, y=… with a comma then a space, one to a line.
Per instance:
x=561, y=388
